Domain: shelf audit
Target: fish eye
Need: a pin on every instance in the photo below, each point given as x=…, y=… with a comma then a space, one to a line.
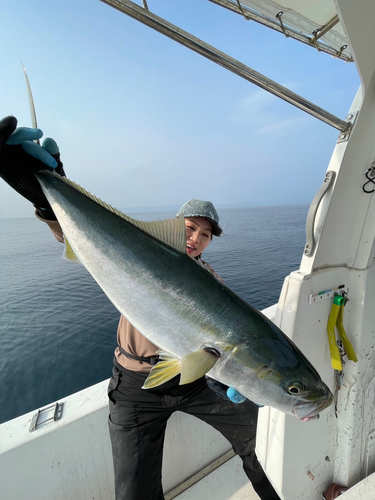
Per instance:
x=296, y=389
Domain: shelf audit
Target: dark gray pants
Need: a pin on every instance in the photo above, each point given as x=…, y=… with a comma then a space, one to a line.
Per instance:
x=137, y=424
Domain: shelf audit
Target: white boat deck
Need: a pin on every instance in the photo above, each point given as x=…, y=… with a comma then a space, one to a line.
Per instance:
x=71, y=458
x=227, y=482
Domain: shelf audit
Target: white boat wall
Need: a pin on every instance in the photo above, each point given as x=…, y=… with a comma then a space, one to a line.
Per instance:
x=302, y=460
x=71, y=459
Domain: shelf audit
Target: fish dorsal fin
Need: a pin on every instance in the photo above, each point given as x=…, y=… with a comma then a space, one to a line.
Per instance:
x=172, y=231
x=169, y=231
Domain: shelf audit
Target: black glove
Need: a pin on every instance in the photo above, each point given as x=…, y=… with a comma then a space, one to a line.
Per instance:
x=20, y=158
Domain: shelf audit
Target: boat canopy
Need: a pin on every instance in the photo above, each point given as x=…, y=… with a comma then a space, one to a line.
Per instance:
x=313, y=22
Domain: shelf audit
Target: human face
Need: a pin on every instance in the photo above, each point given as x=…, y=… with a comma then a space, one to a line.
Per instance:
x=198, y=235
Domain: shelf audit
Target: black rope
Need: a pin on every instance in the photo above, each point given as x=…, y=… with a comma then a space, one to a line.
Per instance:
x=371, y=180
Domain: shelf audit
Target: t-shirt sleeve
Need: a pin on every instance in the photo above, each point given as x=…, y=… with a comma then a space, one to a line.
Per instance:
x=54, y=227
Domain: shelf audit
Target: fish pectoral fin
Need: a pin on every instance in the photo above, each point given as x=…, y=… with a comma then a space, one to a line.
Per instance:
x=196, y=364
x=162, y=372
x=69, y=252
x=192, y=367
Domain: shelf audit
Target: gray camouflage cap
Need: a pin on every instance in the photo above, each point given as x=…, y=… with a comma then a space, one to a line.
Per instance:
x=201, y=208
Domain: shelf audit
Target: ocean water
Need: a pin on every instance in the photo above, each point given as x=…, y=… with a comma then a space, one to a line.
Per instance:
x=58, y=329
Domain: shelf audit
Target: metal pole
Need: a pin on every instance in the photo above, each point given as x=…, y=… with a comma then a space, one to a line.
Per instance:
x=190, y=41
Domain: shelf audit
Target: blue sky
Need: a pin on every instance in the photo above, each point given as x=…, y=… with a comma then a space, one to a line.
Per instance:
x=142, y=121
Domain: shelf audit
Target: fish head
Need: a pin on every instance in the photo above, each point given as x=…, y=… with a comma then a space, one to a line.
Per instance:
x=287, y=382
x=308, y=398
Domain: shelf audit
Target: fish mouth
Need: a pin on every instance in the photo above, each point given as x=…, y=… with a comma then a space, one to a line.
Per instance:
x=306, y=419
x=307, y=411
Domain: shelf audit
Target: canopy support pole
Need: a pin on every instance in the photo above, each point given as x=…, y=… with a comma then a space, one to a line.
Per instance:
x=162, y=26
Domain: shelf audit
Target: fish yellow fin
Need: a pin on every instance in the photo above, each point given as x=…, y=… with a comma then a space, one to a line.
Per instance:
x=192, y=367
x=69, y=253
x=162, y=372
x=195, y=365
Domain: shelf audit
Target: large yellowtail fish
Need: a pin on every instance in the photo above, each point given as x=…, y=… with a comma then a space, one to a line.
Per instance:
x=200, y=325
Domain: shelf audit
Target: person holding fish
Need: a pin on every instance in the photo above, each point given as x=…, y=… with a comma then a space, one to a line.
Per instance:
x=138, y=417
x=147, y=385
